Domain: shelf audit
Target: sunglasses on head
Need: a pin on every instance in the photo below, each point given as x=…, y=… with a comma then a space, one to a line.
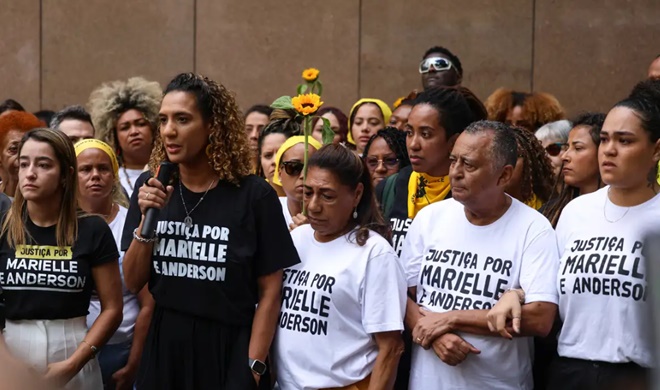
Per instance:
x=555, y=148
x=388, y=162
x=438, y=64
x=293, y=168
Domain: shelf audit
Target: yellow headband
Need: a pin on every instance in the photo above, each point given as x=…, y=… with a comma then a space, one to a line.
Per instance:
x=384, y=109
x=85, y=144
x=291, y=142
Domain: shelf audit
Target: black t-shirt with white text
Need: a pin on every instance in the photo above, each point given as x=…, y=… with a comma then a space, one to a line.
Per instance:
x=210, y=270
x=43, y=281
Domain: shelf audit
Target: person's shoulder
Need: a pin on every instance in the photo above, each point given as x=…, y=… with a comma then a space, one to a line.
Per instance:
x=404, y=174
x=91, y=224
x=378, y=244
x=525, y=215
x=256, y=185
x=438, y=209
x=586, y=202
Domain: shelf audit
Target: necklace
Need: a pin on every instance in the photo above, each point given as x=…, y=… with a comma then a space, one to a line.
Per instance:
x=188, y=219
x=128, y=179
x=607, y=197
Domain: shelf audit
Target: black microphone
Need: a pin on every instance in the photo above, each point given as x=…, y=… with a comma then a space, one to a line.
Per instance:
x=163, y=175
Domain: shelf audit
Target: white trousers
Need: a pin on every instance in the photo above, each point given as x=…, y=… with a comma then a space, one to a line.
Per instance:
x=41, y=342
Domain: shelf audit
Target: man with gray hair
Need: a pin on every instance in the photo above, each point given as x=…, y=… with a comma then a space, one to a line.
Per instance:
x=75, y=122
x=461, y=255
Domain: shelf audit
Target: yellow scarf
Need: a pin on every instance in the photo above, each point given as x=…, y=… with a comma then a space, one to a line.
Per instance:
x=434, y=190
x=534, y=202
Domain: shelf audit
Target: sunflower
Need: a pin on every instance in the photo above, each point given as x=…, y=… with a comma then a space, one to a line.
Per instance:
x=398, y=101
x=310, y=74
x=306, y=104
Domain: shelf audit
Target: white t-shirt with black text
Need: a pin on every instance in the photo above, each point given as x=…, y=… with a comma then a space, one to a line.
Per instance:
x=603, y=291
x=332, y=304
x=456, y=265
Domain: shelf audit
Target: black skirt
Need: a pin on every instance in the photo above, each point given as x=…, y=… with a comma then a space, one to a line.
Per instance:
x=186, y=352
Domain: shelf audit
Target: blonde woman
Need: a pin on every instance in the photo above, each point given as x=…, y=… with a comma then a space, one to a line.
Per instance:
x=125, y=115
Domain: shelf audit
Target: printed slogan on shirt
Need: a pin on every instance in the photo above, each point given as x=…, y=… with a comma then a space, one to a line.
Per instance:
x=203, y=247
x=607, y=266
x=42, y=267
x=457, y=280
x=306, y=299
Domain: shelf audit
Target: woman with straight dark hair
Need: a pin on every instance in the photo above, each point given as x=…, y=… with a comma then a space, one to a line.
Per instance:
x=214, y=266
x=351, y=279
x=53, y=256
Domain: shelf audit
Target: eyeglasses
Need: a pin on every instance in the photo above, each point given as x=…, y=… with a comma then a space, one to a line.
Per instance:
x=438, y=64
x=555, y=148
x=293, y=168
x=388, y=162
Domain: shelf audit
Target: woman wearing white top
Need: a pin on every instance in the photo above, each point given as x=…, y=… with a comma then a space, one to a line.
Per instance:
x=289, y=175
x=100, y=193
x=606, y=339
x=343, y=305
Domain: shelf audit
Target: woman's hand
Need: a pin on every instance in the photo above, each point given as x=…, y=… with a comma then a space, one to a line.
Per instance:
x=452, y=349
x=124, y=378
x=430, y=326
x=298, y=220
x=60, y=373
x=153, y=195
x=507, y=308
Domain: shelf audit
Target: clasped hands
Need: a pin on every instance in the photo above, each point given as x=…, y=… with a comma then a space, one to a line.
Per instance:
x=433, y=330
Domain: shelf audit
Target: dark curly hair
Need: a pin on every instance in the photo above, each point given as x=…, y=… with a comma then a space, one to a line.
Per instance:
x=593, y=120
x=229, y=151
x=538, y=108
x=396, y=140
x=351, y=170
x=537, y=176
x=281, y=122
x=451, y=56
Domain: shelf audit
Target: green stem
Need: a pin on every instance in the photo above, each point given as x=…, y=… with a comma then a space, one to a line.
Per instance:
x=307, y=130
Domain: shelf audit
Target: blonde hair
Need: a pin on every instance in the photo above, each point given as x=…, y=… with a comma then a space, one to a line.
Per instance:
x=67, y=224
x=110, y=100
x=228, y=151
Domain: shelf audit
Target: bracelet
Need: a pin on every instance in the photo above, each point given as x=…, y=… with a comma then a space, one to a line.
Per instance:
x=143, y=240
x=520, y=293
x=93, y=348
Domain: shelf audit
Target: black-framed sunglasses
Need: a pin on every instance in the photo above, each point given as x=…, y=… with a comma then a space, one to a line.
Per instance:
x=388, y=162
x=555, y=148
x=293, y=168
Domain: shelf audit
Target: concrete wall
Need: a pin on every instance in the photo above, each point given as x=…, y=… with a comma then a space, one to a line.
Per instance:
x=588, y=53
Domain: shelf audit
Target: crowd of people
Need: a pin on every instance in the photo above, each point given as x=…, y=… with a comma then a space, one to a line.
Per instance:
x=439, y=243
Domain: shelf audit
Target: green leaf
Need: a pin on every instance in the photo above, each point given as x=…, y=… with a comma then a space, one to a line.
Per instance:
x=327, y=135
x=302, y=88
x=320, y=87
x=282, y=102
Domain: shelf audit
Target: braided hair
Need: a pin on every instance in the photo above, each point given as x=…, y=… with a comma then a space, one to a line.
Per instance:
x=537, y=176
x=396, y=140
x=594, y=121
x=281, y=122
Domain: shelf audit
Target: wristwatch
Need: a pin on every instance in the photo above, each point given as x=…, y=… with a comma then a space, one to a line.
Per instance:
x=257, y=366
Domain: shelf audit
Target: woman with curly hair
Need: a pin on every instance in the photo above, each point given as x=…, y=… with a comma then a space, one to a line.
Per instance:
x=125, y=115
x=214, y=265
x=13, y=125
x=533, y=181
x=527, y=110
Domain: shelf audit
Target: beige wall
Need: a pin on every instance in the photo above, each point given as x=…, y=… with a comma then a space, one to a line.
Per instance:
x=588, y=53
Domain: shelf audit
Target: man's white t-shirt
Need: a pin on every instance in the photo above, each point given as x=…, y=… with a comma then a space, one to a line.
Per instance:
x=131, y=305
x=456, y=265
x=288, y=218
x=332, y=303
x=603, y=292
x=127, y=178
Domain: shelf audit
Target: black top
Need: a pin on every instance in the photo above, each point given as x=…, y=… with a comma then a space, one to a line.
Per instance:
x=210, y=270
x=43, y=281
x=398, y=216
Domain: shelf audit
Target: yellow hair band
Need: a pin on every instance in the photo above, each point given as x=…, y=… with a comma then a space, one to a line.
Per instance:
x=291, y=142
x=384, y=109
x=85, y=144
